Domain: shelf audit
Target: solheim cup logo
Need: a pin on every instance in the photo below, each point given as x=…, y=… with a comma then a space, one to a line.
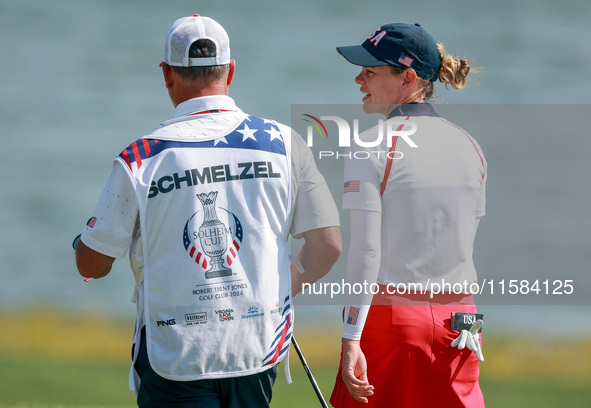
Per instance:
x=206, y=236
x=213, y=236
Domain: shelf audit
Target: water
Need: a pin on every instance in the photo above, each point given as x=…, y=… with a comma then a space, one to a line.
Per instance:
x=80, y=80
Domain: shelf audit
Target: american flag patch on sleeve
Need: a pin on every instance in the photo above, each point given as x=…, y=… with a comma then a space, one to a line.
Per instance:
x=353, y=315
x=352, y=186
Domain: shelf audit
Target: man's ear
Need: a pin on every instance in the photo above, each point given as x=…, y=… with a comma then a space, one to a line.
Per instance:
x=231, y=72
x=168, y=75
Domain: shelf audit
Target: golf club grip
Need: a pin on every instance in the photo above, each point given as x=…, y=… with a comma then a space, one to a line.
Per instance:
x=309, y=373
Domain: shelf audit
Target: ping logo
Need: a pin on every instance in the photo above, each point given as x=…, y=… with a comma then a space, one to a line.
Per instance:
x=169, y=322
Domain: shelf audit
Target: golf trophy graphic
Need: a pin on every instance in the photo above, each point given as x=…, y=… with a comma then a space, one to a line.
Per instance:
x=213, y=237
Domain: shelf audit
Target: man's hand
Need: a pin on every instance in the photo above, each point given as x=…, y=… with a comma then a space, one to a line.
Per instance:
x=470, y=338
x=354, y=371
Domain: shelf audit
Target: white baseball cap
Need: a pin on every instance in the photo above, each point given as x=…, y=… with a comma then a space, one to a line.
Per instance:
x=185, y=31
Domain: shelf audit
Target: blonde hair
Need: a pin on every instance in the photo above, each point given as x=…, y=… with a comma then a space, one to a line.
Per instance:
x=453, y=72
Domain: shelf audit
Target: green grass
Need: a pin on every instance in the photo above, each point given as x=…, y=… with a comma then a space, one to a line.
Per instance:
x=533, y=392
x=50, y=384
x=30, y=382
x=43, y=383
x=84, y=363
x=498, y=393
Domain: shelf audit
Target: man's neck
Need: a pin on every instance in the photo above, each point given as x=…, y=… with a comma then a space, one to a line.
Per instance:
x=191, y=92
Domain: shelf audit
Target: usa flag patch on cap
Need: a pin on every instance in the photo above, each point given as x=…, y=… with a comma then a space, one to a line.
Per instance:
x=405, y=59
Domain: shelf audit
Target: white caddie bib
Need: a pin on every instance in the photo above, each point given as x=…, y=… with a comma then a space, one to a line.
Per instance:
x=214, y=217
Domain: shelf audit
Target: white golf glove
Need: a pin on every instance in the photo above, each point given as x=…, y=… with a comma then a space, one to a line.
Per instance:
x=470, y=338
x=295, y=261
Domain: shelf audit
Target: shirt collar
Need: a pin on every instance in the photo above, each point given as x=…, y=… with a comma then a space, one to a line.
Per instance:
x=413, y=109
x=205, y=103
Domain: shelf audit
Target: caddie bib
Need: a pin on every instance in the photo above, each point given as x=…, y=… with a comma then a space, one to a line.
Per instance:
x=214, y=219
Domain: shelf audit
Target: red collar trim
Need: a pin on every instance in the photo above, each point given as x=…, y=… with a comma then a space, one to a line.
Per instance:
x=208, y=111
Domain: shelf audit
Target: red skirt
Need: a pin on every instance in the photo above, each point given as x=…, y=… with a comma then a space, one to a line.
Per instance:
x=406, y=342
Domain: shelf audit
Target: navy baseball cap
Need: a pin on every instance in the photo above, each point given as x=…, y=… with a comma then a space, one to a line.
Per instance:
x=398, y=44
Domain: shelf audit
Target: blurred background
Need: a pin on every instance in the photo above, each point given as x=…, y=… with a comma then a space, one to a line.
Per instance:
x=80, y=81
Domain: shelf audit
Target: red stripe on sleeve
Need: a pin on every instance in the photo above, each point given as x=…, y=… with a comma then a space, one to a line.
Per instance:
x=136, y=154
x=126, y=158
x=146, y=147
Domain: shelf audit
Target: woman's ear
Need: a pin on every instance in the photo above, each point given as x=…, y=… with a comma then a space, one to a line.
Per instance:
x=410, y=78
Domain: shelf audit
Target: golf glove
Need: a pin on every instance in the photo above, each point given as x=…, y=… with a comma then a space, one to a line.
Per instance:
x=295, y=261
x=469, y=338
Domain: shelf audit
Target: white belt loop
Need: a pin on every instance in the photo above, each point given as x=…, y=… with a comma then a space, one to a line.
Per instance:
x=138, y=299
x=286, y=370
x=286, y=367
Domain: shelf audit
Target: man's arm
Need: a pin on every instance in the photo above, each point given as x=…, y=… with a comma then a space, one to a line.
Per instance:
x=322, y=248
x=92, y=264
x=315, y=216
x=112, y=230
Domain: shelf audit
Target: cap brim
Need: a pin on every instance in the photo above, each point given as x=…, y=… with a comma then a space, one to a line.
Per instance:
x=358, y=55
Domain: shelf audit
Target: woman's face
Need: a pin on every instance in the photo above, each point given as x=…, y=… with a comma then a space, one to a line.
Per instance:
x=382, y=89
